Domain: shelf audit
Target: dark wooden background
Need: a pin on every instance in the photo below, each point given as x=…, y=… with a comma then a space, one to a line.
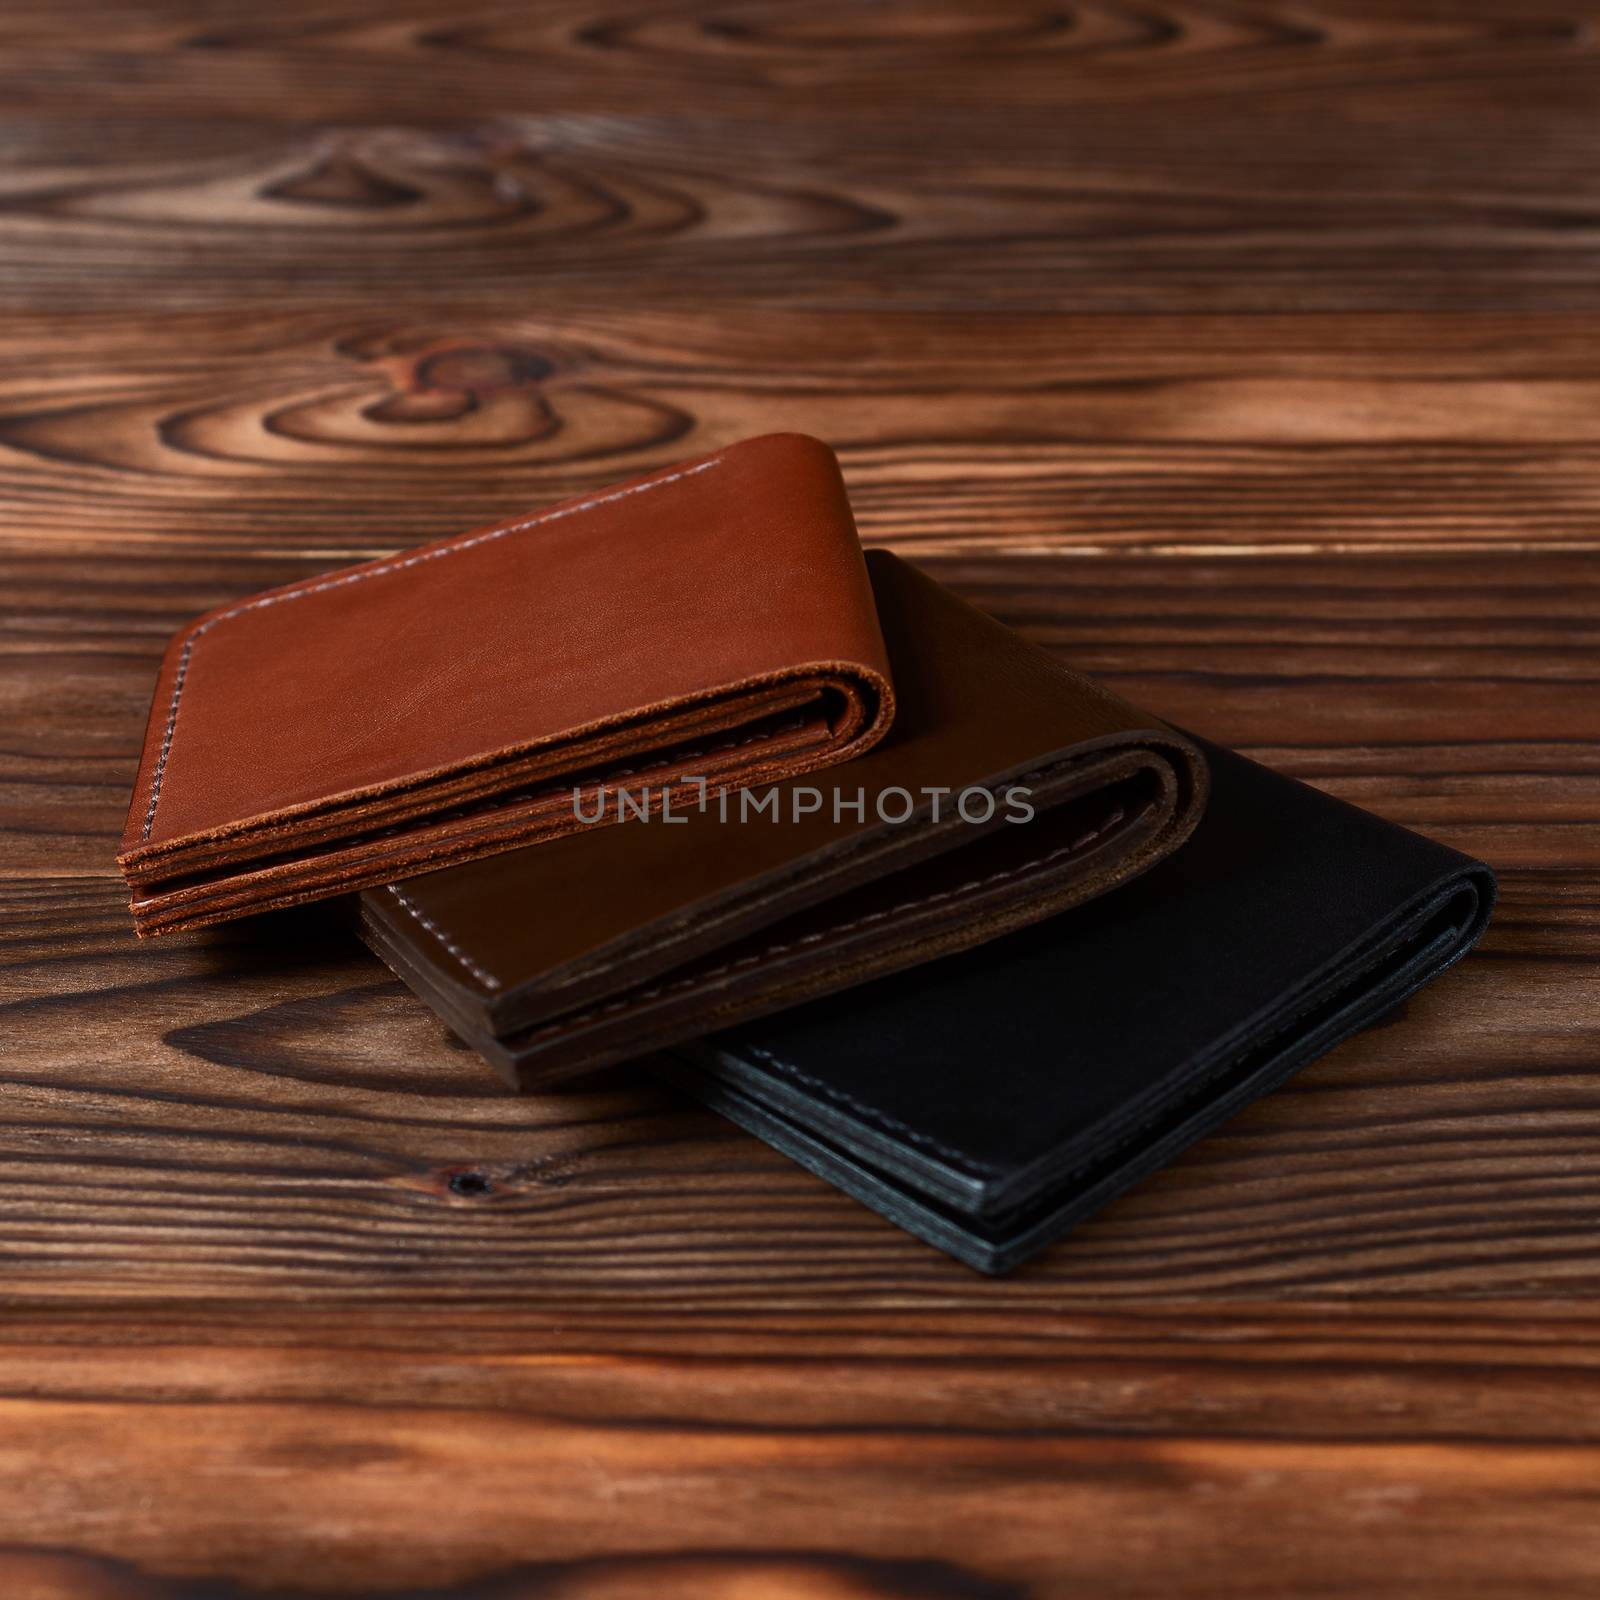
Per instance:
x=1246, y=353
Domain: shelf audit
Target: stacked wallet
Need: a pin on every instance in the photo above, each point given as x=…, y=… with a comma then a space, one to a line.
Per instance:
x=988, y=1102
x=675, y=772
x=442, y=705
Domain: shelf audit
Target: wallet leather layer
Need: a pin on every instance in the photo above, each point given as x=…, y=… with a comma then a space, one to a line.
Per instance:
x=988, y=1102
x=595, y=947
x=442, y=704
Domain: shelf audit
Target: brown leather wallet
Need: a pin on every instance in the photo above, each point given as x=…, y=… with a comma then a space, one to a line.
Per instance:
x=443, y=704
x=602, y=944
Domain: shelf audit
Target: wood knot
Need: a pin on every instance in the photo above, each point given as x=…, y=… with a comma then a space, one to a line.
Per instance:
x=343, y=182
x=469, y=1184
x=444, y=384
x=479, y=369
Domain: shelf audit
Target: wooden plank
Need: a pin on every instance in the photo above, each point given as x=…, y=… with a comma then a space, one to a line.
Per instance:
x=1408, y=1451
x=342, y=436
x=524, y=1508
x=1343, y=155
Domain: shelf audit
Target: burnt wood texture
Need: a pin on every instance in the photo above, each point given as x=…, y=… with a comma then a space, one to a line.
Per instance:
x=1246, y=355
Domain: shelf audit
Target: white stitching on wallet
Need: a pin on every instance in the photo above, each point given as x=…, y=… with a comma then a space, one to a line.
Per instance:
x=393, y=564
x=957, y=1158
x=487, y=979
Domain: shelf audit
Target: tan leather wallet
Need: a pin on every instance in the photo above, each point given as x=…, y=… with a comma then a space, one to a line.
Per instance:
x=444, y=704
x=607, y=943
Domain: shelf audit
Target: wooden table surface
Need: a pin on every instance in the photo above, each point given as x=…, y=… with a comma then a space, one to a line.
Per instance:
x=1247, y=354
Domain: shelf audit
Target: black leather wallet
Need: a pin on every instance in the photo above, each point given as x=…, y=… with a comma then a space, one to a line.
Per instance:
x=988, y=1101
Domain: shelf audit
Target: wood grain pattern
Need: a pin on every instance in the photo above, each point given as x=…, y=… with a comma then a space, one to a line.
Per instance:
x=1192, y=154
x=1243, y=353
